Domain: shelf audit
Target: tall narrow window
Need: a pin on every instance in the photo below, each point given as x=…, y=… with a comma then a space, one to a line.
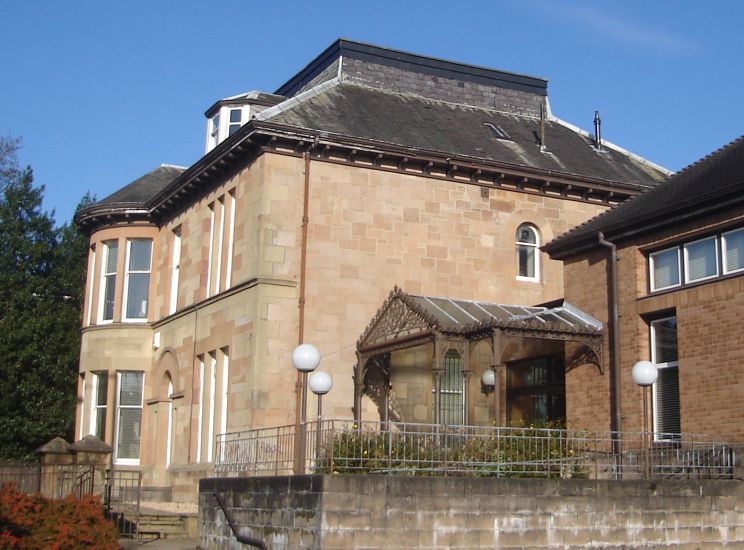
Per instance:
x=108, y=281
x=212, y=395
x=129, y=417
x=137, y=289
x=169, y=434
x=230, y=239
x=175, y=270
x=200, y=414
x=99, y=403
x=211, y=248
x=91, y=276
x=217, y=247
x=83, y=387
x=223, y=400
x=528, y=257
x=214, y=131
x=451, y=401
x=667, y=424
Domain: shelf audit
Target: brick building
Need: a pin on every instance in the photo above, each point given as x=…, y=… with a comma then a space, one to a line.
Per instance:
x=679, y=259
x=370, y=168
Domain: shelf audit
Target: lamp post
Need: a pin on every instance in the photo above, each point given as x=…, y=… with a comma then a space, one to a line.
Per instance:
x=644, y=374
x=488, y=379
x=320, y=383
x=305, y=359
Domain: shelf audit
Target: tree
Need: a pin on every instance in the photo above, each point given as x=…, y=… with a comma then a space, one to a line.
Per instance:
x=42, y=271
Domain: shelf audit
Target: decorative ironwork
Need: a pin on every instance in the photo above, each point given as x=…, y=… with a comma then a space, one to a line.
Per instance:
x=393, y=321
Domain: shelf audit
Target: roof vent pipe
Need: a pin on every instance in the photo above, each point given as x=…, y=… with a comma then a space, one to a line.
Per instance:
x=597, y=131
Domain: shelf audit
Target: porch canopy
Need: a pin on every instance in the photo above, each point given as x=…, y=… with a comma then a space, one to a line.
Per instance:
x=407, y=321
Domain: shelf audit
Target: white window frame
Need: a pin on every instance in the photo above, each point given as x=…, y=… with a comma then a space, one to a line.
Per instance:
x=651, y=267
x=230, y=240
x=104, y=281
x=95, y=409
x=223, y=400
x=212, y=395
x=175, y=271
x=91, y=279
x=215, y=132
x=127, y=273
x=200, y=410
x=230, y=123
x=218, y=244
x=686, y=246
x=81, y=429
x=169, y=435
x=536, y=251
x=119, y=407
x=724, y=250
x=660, y=366
x=211, y=248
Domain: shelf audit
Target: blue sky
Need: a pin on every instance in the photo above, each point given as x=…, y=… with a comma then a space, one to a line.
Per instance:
x=102, y=92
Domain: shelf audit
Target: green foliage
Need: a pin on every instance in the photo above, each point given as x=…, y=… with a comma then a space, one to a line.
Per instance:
x=42, y=272
x=526, y=452
x=31, y=522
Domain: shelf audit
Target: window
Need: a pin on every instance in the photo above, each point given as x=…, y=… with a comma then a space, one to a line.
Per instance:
x=667, y=423
x=129, y=417
x=169, y=435
x=528, y=258
x=665, y=269
x=701, y=260
x=235, y=116
x=99, y=402
x=200, y=417
x=175, y=270
x=451, y=385
x=91, y=275
x=214, y=131
x=536, y=390
x=230, y=239
x=212, y=391
x=81, y=425
x=137, y=288
x=108, y=281
x=733, y=251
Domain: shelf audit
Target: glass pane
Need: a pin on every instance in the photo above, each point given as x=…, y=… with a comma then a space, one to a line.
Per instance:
x=666, y=268
x=233, y=128
x=215, y=125
x=139, y=255
x=129, y=433
x=112, y=248
x=101, y=388
x=130, y=393
x=137, y=295
x=100, y=426
x=526, y=234
x=526, y=261
x=701, y=259
x=234, y=115
x=734, y=250
x=667, y=401
x=665, y=340
x=451, y=396
x=108, y=297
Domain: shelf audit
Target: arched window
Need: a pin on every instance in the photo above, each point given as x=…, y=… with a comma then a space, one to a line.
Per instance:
x=528, y=253
x=451, y=399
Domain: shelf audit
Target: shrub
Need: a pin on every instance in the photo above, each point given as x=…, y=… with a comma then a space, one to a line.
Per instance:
x=31, y=522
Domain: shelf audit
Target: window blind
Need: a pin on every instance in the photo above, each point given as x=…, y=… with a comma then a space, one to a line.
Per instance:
x=666, y=268
x=701, y=259
x=734, y=245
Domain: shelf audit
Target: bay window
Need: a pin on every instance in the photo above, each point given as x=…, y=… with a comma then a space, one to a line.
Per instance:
x=137, y=285
x=108, y=281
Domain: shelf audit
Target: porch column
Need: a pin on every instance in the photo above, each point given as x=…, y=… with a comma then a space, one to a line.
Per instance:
x=358, y=386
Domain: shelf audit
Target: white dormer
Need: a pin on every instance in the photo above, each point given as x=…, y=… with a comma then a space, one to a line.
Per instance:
x=225, y=117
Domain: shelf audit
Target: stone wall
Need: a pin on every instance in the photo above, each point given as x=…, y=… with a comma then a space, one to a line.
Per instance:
x=349, y=512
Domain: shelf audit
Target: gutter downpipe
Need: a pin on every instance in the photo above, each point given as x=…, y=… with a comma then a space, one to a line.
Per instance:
x=616, y=424
x=301, y=381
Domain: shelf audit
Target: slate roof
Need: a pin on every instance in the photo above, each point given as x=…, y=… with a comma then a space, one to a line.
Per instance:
x=414, y=121
x=714, y=182
x=144, y=188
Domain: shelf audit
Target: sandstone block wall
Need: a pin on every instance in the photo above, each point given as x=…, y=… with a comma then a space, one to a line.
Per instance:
x=366, y=512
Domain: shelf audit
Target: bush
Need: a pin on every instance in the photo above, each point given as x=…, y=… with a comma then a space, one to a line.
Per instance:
x=517, y=452
x=31, y=522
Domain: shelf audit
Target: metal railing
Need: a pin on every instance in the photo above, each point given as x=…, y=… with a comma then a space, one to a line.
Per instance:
x=344, y=446
x=51, y=480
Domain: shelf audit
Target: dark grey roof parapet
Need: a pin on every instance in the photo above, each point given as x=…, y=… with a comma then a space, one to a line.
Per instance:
x=415, y=62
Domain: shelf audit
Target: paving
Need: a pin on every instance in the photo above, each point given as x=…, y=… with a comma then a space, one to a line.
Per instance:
x=161, y=544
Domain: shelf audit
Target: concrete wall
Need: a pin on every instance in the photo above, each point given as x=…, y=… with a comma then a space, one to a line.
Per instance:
x=350, y=512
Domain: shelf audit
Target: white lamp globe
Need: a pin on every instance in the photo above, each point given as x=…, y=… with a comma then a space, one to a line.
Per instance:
x=488, y=378
x=644, y=373
x=320, y=383
x=306, y=358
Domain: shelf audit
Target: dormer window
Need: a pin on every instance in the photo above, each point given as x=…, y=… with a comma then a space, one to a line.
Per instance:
x=235, y=119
